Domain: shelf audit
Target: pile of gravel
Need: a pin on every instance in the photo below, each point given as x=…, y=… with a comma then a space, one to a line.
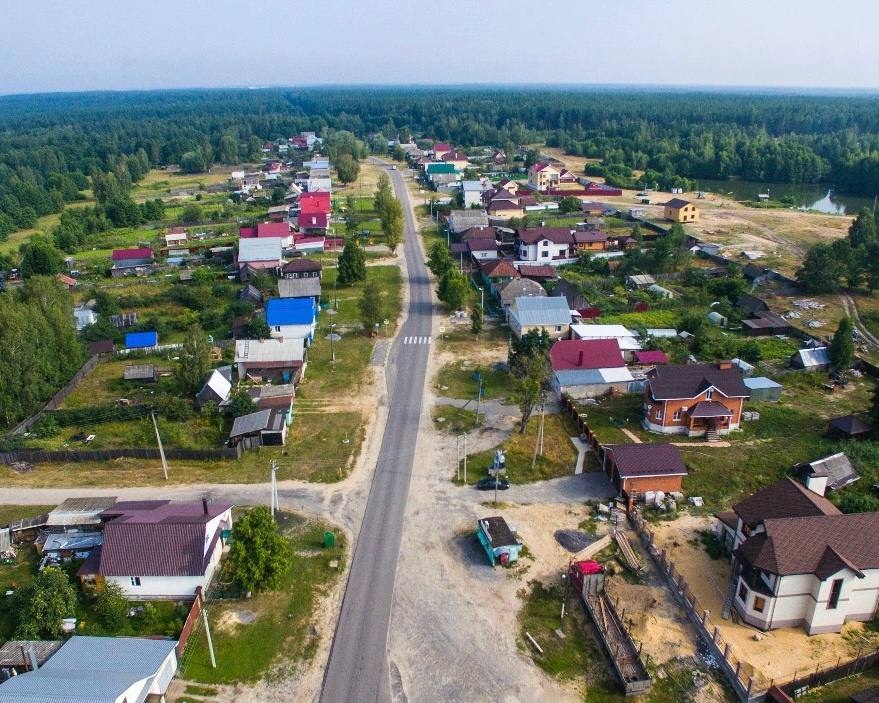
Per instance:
x=573, y=540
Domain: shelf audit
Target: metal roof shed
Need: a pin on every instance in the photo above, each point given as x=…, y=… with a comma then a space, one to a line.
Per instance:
x=763, y=390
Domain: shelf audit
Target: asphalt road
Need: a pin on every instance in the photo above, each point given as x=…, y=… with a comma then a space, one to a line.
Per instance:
x=357, y=670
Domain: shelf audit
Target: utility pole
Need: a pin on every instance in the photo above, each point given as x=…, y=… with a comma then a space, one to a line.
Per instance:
x=159, y=440
x=274, y=497
x=458, y=457
x=207, y=631
x=479, y=399
x=538, y=441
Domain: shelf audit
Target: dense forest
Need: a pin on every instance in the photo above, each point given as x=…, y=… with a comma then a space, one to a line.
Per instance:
x=51, y=146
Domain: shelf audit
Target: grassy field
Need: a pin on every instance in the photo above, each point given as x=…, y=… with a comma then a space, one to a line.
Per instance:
x=839, y=691
x=788, y=432
x=458, y=380
x=452, y=420
x=559, y=455
x=280, y=635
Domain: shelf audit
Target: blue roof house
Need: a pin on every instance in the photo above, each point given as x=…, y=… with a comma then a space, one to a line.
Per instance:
x=292, y=318
x=141, y=340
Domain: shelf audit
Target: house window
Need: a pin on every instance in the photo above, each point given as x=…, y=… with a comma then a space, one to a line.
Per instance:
x=743, y=593
x=544, y=254
x=135, y=580
x=709, y=394
x=658, y=413
x=759, y=604
x=677, y=415
x=835, y=590
x=558, y=328
x=277, y=328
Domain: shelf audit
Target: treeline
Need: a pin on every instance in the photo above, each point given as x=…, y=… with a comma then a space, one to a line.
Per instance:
x=851, y=263
x=52, y=145
x=41, y=351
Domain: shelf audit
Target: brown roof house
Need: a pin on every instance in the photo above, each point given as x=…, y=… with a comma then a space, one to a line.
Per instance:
x=799, y=561
x=159, y=550
x=635, y=469
x=694, y=399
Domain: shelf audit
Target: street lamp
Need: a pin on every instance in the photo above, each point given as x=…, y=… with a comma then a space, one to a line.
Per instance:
x=333, y=337
x=481, y=298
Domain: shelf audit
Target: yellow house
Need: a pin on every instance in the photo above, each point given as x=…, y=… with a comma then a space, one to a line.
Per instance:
x=678, y=210
x=543, y=176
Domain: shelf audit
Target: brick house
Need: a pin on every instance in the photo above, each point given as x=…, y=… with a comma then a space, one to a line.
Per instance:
x=543, y=176
x=590, y=240
x=636, y=468
x=694, y=399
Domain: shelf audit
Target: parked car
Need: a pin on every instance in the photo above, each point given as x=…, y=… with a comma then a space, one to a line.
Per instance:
x=487, y=484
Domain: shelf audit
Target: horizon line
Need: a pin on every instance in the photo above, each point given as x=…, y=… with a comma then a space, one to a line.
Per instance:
x=647, y=87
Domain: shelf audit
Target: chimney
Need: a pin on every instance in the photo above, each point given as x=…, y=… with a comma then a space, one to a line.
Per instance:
x=724, y=365
x=204, y=505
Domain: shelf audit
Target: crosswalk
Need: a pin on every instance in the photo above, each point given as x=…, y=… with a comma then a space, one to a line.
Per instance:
x=417, y=340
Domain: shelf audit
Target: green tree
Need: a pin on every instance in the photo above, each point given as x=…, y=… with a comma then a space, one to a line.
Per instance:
x=476, y=318
x=352, y=264
x=347, y=168
x=39, y=257
x=39, y=606
x=529, y=385
x=842, y=347
x=241, y=404
x=394, y=228
x=371, y=305
x=863, y=229
x=111, y=606
x=569, y=204
x=259, y=556
x=191, y=214
x=258, y=328
x=452, y=289
x=194, y=361
x=820, y=271
x=440, y=259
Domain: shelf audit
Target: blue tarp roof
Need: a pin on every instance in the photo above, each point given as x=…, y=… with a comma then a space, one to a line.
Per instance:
x=141, y=340
x=290, y=311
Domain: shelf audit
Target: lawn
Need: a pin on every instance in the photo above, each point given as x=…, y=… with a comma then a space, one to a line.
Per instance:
x=558, y=459
x=11, y=513
x=461, y=379
x=452, y=420
x=839, y=691
x=787, y=433
x=281, y=634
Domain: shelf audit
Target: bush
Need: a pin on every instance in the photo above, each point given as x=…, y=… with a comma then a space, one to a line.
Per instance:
x=111, y=607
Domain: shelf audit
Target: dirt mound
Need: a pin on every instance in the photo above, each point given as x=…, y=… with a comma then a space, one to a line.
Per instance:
x=573, y=540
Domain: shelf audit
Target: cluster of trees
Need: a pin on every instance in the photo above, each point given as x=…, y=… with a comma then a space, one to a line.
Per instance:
x=352, y=264
x=41, y=351
x=530, y=372
x=390, y=212
x=51, y=145
x=453, y=285
x=851, y=262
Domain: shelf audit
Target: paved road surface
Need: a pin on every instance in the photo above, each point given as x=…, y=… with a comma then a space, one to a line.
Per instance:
x=357, y=670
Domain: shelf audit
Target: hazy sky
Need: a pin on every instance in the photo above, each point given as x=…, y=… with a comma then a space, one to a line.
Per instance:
x=116, y=44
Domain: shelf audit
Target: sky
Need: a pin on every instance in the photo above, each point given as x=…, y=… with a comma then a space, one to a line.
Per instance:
x=121, y=44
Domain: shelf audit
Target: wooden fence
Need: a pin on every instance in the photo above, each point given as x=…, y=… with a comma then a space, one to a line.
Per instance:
x=59, y=397
x=37, y=456
x=190, y=623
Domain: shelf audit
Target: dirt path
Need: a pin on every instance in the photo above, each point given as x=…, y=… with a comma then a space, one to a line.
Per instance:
x=852, y=311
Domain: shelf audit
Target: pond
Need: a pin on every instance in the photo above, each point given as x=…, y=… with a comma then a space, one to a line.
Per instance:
x=809, y=196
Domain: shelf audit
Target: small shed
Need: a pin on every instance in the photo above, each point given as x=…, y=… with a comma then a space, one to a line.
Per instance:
x=743, y=366
x=850, y=427
x=763, y=390
x=498, y=540
x=145, y=373
x=264, y=427
x=101, y=346
x=815, y=359
x=141, y=340
x=828, y=474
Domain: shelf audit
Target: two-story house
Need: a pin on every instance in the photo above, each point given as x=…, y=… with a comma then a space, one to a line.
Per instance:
x=546, y=245
x=543, y=176
x=302, y=267
x=798, y=561
x=678, y=210
x=694, y=399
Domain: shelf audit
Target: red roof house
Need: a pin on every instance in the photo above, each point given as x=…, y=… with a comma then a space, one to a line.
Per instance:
x=315, y=203
x=570, y=354
x=130, y=254
x=651, y=357
x=308, y=222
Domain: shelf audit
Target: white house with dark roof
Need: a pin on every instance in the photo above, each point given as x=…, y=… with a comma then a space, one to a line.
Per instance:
x=798, y=561
x=159, y=550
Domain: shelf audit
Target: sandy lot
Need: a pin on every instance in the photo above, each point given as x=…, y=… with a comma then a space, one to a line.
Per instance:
x=778, y=654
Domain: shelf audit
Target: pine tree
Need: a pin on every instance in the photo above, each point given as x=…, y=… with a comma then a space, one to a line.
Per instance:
x=352, y=264
x=842, y=347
